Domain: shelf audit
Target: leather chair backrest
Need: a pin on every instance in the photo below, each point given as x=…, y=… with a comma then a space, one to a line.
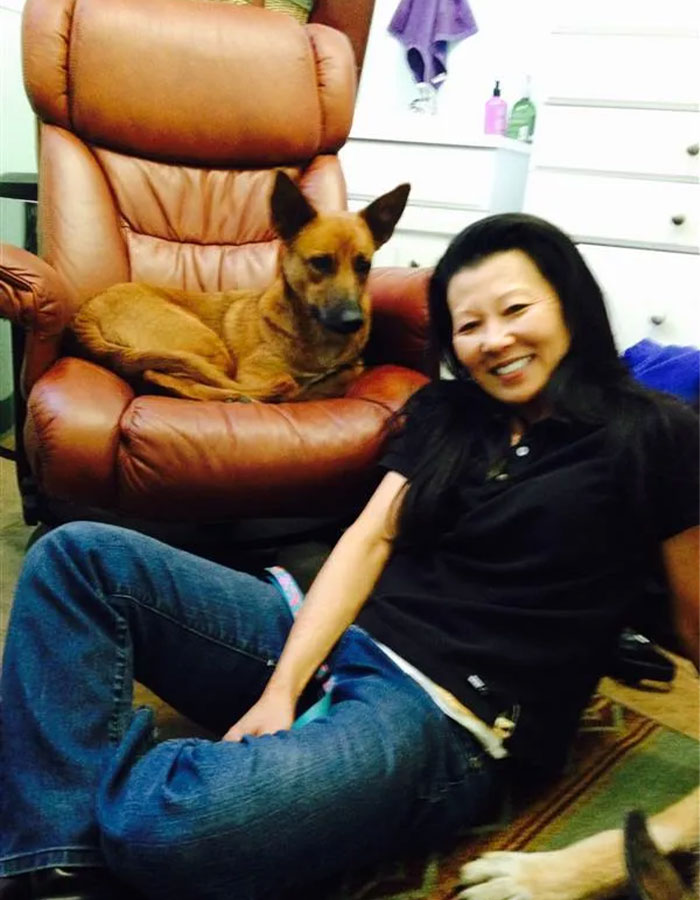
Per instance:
x=352, y=17
x=161, y=125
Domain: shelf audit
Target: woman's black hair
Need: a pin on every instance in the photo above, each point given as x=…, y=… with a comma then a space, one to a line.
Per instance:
x=457, y=431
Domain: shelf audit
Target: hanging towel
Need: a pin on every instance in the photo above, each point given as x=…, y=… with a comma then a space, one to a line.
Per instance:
x=425, y=27
x=669, y=368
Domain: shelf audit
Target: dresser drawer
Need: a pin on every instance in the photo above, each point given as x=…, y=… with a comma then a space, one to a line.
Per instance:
x=412, y=249
x=637, y=68
x=596, y=207
x=453, y=175
x=648, y=294
x=622, y=15
x=621, y=140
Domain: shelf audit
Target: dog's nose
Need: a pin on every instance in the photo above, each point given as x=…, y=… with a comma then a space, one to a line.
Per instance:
x=342, y=319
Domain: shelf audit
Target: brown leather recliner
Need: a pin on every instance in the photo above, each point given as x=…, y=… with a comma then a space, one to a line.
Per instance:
x=161, y=125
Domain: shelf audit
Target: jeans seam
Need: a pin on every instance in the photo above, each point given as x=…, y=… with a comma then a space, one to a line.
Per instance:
x=267, y=659
x=114, y=732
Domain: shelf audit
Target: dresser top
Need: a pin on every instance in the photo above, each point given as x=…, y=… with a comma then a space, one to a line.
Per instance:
x=423, y=128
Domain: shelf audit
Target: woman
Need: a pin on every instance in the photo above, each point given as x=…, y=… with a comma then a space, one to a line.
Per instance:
x=489, y=575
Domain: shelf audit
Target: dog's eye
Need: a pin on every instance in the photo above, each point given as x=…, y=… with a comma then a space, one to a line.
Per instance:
x=361, y=265
x=324, y=264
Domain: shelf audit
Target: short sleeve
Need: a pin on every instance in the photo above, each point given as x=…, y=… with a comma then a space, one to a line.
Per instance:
x=403, y=447
x=671, y=473
x=395, y=458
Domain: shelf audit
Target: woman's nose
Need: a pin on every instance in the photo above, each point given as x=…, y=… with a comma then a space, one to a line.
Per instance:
x=495, y=337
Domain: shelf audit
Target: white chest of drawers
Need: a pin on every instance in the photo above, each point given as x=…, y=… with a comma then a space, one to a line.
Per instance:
x=616, y=160
x=453, y=181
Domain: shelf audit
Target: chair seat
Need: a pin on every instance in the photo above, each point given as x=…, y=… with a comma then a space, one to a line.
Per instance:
x=158, y=457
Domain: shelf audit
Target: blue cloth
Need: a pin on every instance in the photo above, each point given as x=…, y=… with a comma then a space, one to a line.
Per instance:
x=425, y=27
x=669, y=368
x=84, y=781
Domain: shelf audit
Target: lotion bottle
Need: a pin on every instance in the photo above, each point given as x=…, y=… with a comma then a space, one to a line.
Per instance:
x=496, y=113
x=521, y=124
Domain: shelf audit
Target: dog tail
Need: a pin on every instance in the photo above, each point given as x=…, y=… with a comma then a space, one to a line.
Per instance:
x=652, y=877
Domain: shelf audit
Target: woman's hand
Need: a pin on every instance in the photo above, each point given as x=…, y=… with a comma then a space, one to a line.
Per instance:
x=273, y=712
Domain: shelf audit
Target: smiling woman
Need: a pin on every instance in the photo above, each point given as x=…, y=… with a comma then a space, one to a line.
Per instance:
x=508, y=331
x=490, y=574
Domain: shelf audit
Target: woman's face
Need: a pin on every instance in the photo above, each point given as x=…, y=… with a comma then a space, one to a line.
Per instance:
x=508, y=329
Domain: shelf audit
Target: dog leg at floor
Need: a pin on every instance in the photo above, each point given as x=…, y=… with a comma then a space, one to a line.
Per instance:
x=591, y=869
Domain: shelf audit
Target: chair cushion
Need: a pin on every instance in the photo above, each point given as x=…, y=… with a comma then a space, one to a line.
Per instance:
x=92, y=442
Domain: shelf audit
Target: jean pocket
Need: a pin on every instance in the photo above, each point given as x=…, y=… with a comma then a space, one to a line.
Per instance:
x=463, y=790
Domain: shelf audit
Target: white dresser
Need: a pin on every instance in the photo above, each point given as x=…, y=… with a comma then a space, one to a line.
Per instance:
x=616, y=159
x=454, y=181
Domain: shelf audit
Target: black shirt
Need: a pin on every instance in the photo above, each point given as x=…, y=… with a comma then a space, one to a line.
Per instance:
x=518, y=605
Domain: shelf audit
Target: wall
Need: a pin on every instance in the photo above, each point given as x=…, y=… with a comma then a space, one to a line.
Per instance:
x=507, y=47
x=17, y=136
x=17, y=154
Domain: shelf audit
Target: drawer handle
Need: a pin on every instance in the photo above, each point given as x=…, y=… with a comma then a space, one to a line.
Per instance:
x=657, y=319
x=693, y=150
x=678, y=220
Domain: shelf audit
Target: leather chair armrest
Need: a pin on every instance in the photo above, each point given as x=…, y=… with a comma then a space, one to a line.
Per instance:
x=72, y=433
x=33, y=294
x=400, y=319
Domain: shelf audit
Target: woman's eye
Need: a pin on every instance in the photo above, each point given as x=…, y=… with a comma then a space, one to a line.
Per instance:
x=515, y=308
x=466, y=327
x=324, y=263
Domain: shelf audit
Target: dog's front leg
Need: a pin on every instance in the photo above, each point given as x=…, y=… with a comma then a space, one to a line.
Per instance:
x=182, y=386
x=333, y=385
x=267, y=383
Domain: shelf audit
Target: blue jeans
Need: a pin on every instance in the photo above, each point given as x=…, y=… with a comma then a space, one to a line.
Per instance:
x=84, y=782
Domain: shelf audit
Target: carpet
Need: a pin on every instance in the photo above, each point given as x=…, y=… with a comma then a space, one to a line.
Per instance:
x=620, y=760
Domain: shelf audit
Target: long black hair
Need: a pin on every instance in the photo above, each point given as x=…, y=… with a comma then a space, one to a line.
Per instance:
x=454, y=430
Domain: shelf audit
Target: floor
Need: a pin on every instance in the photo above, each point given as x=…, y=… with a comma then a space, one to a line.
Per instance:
x=677, y=706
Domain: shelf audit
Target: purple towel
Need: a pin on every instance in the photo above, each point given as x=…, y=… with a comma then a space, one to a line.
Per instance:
x=425, y=27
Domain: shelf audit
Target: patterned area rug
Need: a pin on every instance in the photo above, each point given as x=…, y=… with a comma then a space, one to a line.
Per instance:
x=620, y=760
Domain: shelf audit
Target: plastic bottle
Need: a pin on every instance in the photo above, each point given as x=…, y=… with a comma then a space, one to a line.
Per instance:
x=521, y=124
x=496, y=112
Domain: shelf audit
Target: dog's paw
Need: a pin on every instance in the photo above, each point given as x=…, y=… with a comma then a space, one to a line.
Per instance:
x=515, y=876
x=283, y=389
x=493, y=876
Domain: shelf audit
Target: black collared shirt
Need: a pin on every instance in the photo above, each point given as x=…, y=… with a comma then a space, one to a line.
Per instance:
x=518, y=606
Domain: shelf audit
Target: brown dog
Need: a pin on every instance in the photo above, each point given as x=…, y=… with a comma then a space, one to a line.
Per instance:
x=594, y=868
x=303, y=337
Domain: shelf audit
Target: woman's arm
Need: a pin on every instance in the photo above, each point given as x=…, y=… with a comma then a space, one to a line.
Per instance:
x=681, y=556
x=336, y=596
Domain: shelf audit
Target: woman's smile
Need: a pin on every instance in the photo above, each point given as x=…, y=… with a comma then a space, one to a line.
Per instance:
x=509, y=370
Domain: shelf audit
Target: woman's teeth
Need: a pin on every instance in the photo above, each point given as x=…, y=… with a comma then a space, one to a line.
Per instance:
x=514, y=366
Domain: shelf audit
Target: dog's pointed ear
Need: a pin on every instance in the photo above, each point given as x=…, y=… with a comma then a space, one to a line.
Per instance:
x=383, y=213
x=291, y=211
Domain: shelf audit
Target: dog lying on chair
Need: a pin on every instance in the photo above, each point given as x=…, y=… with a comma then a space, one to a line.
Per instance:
x=301, y=338
x=594, y=868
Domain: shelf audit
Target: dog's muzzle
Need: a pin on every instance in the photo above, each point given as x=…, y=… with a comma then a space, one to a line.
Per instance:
x=342, y=318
